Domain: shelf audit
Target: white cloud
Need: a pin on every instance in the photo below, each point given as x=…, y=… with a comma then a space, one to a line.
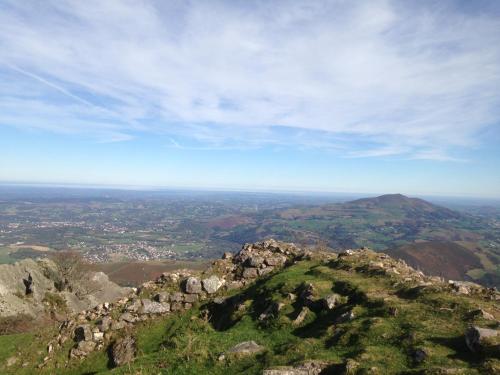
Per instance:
x=401, y=77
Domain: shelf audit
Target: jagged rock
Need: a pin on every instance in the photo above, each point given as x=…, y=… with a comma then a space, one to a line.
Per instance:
x=127, y=317
x=273, y=261
x=306, y=295
x=301, y=316
x=177, y=297
x=479, y=339
x=227, y=255
x=212, y=284
x=162, y=297
x=330, y=301
x=150, y=307
x=104, y=324
x=134, y=306
x=246, y=348
x=250, y=273
x=83, y=349
x=254, y=261
x=98, y=336
x=123, y=351
x=193, y=285
x=265, y=271
x=83, y=333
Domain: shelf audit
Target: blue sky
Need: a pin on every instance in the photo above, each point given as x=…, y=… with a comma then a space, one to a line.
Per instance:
x=365, y=96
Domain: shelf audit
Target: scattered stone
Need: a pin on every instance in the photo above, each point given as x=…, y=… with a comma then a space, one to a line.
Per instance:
x=123, y=351
x=212, y=284
x=98, y=336
x=150, y=307
x=192, y=285
x=246, y=348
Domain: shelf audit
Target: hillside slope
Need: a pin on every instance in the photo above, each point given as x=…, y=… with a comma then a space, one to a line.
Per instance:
x=307, y=313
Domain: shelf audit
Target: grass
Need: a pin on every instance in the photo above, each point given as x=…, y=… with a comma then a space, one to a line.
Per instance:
x=428, y=319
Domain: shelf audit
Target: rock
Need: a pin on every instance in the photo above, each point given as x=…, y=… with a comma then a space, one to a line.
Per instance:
x=246, y=348
x=191, y=298
x=308, y=368
x=301, y=316
x=345, y=317
x=123, y=351
x=250, y=273
x=98, y=336
x=350, y=366
x=11, y=361
x=271, y=311
x=330, y=301
x=134, y=306
x=150, y=307
x=192, y=285
x=234, y=285
x=117, y=325
x=480, y=313
x=273, y=261
x=83, y=333
x=254, y=261
x=83, y=349
x=478, y=339
x=212, y=284
x=265, y=271
x=162, y=297
x=104, y=324
x=176, y=306
x=227, y=255
x=127, y=317
x=177, y=297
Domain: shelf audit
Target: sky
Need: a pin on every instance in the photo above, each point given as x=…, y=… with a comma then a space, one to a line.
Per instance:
x=334, y=96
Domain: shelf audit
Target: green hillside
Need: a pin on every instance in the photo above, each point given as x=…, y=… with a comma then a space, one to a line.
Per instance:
x=382, y=318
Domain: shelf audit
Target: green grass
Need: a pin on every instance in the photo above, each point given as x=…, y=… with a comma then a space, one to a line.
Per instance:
x=430, y=319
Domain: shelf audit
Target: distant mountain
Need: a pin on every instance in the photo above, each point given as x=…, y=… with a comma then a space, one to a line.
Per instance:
x=410, y=206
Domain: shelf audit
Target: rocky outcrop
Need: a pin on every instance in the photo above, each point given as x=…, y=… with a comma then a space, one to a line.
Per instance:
x=482, y=339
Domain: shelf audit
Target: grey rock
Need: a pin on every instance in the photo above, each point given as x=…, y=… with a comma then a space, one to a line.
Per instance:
x=134, y=306
x=127, y=317
x=104, y=324
x=330, y=301
x=227, y=255
x=193, y=285
x=83, y=349
x=250, y=273
x=191, y=298
x=265, y=271
x=177, y=297
x=118, y=325
x=83, y=333
x=254, y=261
x=278, y=260
x=301, y=316
x=477, y=338
x=307, y=368
x=246, y=348
x=150, y=307
x=162, y=297
x=212, y=284
x=123, y=351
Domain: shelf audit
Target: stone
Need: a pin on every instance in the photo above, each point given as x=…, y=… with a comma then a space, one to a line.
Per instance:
x=480, y=313
x=254, y=261
x=477, y=339
x=150, y=307
x=212, y=284
x=419, y=355
x=191, y=298
x=301, y=316
x=275, y=260
x=118, y=325
x=265, y=271
x=176, y=306
x=234, y=285
x=83, y=349
x=83, y=333
x=308, y=368
x=227, y=255
x=123, y=351
x=350, y=366
x=104, y=324
x=246, y=348
x=177, y=297
x=192, y=285
x=134, y=306
x=162, y=297
x=345, y=317
x=250, y=273
x=11, y=361
x=98, y=336
x=127, y=317
x=330, y=301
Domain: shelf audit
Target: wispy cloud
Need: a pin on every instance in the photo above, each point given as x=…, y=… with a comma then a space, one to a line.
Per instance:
x=404, y=77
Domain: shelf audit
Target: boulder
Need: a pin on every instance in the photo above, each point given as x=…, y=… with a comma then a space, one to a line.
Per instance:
x=308, y=368
x=192, y=285
x=254, y=261
x=83, y=333
x=479, y=339
x=273, y=261
x=212, y=284
x=246, y=348
x=301, y=316
x=123, y=351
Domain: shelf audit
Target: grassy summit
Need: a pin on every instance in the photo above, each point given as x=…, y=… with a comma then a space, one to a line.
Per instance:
x=384, y=318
